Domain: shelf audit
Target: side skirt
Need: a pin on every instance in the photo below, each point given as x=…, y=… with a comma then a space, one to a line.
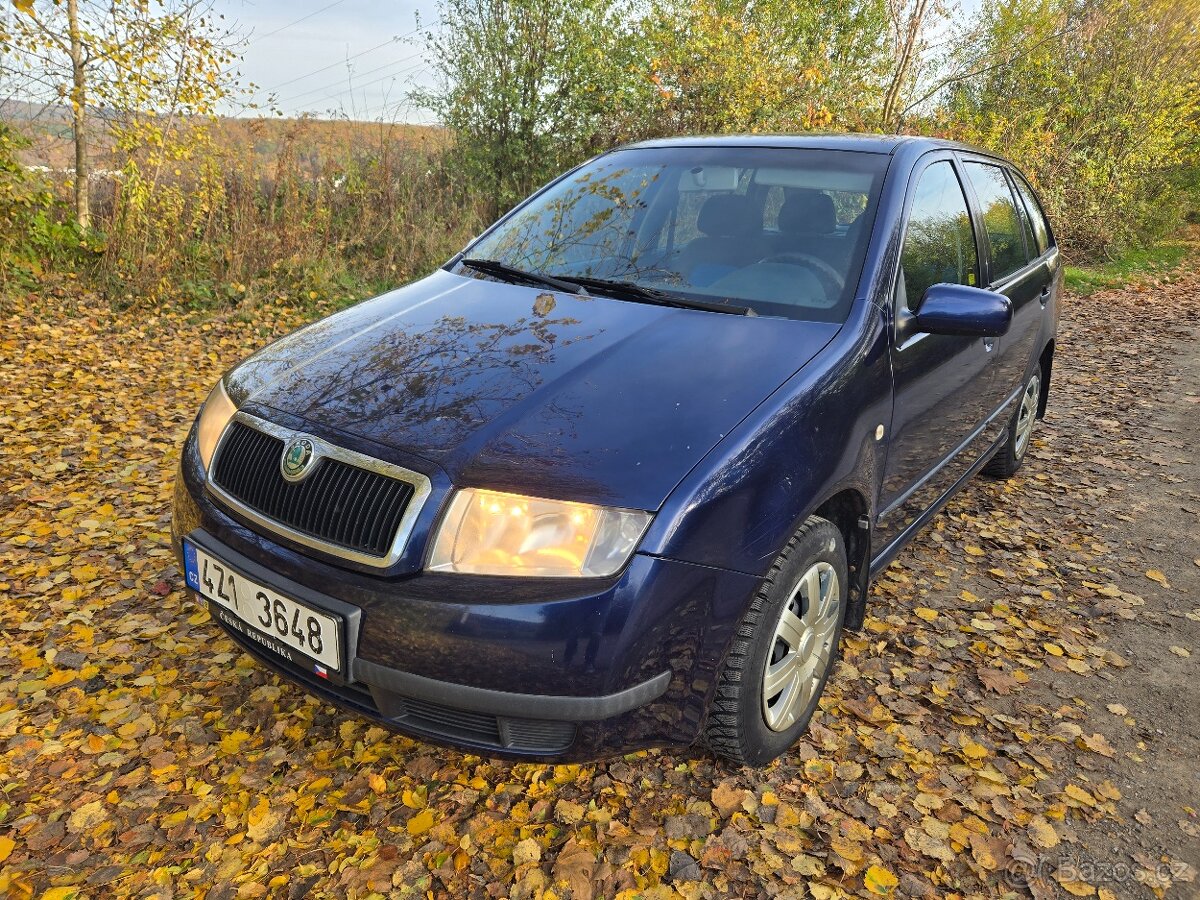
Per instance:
x=885, y=556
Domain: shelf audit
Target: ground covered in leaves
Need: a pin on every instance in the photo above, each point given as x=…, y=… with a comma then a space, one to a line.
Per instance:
x=1017, y=718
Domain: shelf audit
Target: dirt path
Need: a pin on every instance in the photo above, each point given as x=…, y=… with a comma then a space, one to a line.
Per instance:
x=1095, y=547
x=1012, y=721
x=1149, y=710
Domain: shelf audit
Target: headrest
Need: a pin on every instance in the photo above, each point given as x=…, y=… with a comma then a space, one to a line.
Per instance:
x=726, y=215
x=807, y=212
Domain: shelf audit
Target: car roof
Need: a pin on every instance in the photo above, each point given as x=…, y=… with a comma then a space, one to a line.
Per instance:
x=862, y=143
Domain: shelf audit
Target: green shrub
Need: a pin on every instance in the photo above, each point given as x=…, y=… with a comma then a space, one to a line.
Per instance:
x=35, y=236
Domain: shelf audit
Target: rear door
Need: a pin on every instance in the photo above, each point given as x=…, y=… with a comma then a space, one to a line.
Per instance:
x=1015, y=268
x=943, y=383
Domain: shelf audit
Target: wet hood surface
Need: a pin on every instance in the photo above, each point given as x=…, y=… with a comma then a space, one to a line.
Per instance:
x=538, y=392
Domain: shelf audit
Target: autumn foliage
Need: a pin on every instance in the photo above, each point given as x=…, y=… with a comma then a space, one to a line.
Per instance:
x=969, y=741
x=1098, y=100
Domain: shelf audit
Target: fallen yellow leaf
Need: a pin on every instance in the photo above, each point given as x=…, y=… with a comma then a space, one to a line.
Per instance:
x=421, y=822
x=261, y=822
x=973, y=750
x=87, y=817
x=1042, y=833
x=879, y=880
x=412, y=799
x=1097, y=743
x=846, y=848
x=233, y=741
x=258, y=811
x=1079, y=795
x=1076, y=888
x=86, y=573
x=1157, y=576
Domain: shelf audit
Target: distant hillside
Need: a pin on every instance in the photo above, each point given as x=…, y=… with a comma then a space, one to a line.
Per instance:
x=258, y=141
x=315, y=141
x=15, y=111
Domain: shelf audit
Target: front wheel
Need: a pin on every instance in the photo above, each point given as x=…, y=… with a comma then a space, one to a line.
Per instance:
x=1020, y=428
x=784, y=650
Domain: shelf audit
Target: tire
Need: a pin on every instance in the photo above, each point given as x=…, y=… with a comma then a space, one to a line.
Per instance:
x=744, y=726
x=1019, y=433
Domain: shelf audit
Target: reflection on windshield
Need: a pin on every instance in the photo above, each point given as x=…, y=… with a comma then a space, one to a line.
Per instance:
x=781, y=231
x=578, y=229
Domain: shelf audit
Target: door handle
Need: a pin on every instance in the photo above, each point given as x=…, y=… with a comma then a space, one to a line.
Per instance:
x=1045, y=295
x=989, y=344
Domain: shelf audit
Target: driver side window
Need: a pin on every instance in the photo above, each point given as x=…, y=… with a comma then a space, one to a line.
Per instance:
x=939, y=244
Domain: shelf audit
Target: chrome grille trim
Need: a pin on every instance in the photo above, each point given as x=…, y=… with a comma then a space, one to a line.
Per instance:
x=421, y=486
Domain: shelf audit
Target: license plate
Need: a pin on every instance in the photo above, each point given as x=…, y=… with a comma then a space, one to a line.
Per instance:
x=271, y=619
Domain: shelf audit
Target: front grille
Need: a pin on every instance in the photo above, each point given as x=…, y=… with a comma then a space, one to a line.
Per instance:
x=500, y=732
x=536, y=734
x=338, y=503
x=438, y=719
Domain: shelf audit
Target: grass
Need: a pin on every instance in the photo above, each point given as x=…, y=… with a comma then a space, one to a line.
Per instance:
x=1128, y=266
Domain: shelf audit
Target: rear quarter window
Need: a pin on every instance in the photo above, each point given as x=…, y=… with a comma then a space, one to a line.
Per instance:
x=1034, y=210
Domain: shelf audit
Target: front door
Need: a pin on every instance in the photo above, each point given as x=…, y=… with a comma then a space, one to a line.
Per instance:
x=1017, y=270
x=942, y=383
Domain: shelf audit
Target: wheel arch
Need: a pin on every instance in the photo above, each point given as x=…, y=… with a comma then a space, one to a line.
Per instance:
x=848, y=511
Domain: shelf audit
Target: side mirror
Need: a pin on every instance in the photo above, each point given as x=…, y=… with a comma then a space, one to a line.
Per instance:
x=963, y=310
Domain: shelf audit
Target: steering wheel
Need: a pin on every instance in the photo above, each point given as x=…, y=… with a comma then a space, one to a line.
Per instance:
x=828, y=275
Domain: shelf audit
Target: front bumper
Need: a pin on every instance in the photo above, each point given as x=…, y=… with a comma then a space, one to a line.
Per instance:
x=547, y=669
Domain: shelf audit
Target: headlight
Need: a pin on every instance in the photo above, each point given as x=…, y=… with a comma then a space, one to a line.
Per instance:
x=492, y=533
x=217, y=411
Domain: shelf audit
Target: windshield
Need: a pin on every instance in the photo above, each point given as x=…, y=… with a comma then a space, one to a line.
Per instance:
x=781, y=231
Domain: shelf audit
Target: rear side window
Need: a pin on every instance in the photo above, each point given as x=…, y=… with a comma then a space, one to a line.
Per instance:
x=1026, y=226
x=1036, y=218
x=1000, y=218
x=939, y=244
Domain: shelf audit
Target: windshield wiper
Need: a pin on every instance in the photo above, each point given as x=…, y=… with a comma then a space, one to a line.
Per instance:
x=628, y=290
x=512, y=273
x=625, y=290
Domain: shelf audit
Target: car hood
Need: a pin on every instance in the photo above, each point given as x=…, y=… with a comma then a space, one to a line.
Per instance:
x=532, y=391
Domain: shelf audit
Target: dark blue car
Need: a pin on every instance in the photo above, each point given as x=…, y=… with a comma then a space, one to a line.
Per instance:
x=619, y=474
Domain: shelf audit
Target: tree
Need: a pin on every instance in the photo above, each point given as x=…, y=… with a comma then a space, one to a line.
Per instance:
x=522, y=86
x=1096, y=99
x=907, y=20
x=531, y=86
x=774, y=65
x=142, y=67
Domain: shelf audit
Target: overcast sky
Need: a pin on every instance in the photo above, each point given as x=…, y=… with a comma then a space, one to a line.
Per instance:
x=334, y=56
x=348, y=57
